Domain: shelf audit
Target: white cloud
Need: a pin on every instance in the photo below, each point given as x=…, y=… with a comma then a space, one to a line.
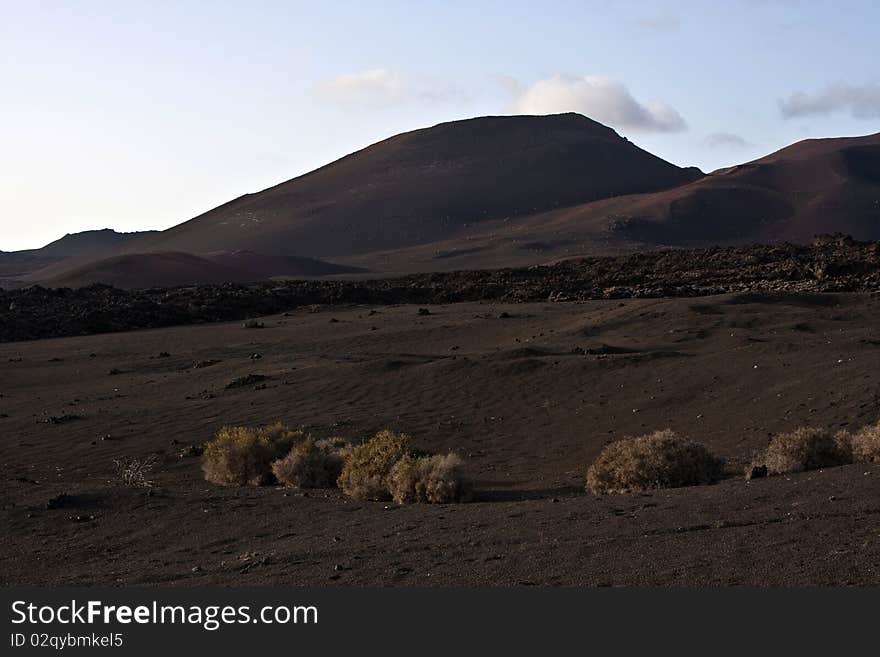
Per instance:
x=381, y=87
x=599, y=98
x=725, y=140
x=376, y=86
x=861, y=101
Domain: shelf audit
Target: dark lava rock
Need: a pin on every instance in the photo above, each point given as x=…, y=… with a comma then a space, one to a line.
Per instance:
x=248, y=380
x=777, y=269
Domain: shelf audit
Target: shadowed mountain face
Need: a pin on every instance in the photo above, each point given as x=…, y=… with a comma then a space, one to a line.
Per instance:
x=812, y=187
x=427, y=185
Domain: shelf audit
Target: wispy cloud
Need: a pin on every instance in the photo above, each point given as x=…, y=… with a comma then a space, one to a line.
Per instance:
x=861, y=101
x=725, y=140
x=382, y=87
x=658, y=23
x=599, y=98
x=376, y=86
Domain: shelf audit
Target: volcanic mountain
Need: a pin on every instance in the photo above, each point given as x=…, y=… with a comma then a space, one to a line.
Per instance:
x=423, y=186
x=508, y=191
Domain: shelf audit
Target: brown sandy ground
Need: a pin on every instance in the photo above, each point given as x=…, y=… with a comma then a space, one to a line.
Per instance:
x=522, y=398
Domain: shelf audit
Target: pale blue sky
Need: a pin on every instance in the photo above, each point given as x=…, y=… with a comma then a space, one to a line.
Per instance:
x=136, y=115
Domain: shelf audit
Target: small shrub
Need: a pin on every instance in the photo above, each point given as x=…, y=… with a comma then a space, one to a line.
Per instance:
x=366, y=467
x=434, y=479
x=866, y=445
x=806, y=448
x=657, y=460
x=239, y=456
x=135, y=472
x=311, y=464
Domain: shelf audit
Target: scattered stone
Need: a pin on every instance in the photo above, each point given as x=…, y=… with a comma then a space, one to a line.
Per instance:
x=247, y=380
x=60, y=419
x=424, y=311
x=190, y=451
x=253, y=324
x=58, y=501
x=205, y=363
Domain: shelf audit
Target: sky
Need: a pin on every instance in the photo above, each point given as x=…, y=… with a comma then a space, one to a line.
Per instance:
x=141, y=115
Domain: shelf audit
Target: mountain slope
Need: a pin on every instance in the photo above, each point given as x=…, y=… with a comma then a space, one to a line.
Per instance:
x=144, y=270
x=812, y=187
x=427, y=185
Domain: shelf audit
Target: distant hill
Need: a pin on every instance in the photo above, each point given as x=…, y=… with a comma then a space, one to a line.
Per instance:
x=144, y=270
x=91, y=241
x=15, y=266
x=168, y=269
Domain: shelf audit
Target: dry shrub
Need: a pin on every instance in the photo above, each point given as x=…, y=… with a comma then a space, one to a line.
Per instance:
x=239, y=456
x=805, y=448
x=657, y=460
x=366, y=467
x=866, y=445
x=136, y=472
x=434, y=479
x=311, y=464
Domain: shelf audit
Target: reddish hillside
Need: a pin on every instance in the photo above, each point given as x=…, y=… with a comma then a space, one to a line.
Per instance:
x=426, y=185
x=264, y=266
x=812, y=187
x=143, y=270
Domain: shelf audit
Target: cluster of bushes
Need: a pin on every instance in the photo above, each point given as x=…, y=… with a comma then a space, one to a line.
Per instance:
x=664, y=460
x=809, y=448
x=384, y=467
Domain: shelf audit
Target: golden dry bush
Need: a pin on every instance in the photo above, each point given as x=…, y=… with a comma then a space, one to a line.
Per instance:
x=805, y=448
x=433, y=479
x=866, y=444
x=311, y=464
x=657, y=460
x=239, y=456
x=366, y=467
